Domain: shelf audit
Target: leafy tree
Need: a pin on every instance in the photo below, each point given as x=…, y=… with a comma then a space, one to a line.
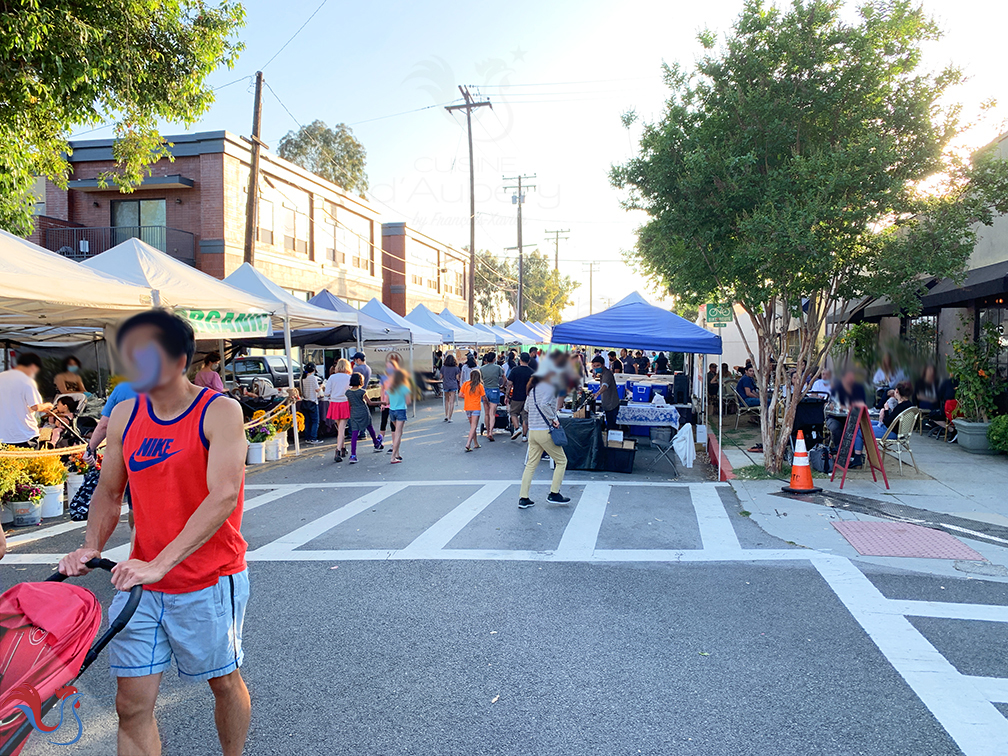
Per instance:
x=546, y=292
x=71, y=64
x=787, y=172
x=334, y=154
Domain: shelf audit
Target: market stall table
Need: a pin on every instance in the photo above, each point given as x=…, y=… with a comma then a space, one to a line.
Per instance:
x=651, y=415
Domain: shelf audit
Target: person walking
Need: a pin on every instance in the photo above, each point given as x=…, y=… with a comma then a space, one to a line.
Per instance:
x=472, y=397
x=208, y=377
x=469, y=366
x=542, y=409
x=360, y=416
x=339, y=407
x=20, y=400
x=392, y=362
x=181, y=449
x=399, y=395
x=518, y=380
x=450, y=375
x=309, y=402
x=492, y=376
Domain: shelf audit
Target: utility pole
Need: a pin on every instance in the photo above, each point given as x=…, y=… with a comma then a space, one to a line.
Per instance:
x=519, y=199
x=591, y=268
x=252, y=204
x=521, y=296
x=556, y=241
x=468, y=107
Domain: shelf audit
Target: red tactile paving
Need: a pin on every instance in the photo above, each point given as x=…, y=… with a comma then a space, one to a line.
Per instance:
x=900, y=539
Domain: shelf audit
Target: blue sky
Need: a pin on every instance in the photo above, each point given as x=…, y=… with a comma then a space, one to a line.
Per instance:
x=559, y=75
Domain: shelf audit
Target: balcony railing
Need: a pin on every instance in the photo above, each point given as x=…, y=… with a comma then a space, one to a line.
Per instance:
x=82, y=243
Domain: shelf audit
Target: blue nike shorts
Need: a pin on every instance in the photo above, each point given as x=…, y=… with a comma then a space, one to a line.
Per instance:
x=202, y=630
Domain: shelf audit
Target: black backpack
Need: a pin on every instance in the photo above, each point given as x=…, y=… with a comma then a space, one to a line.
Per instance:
x=819, y=459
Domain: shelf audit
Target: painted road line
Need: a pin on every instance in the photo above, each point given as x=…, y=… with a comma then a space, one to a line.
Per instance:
x=308, y=532
x=581, y=533
x=948, y=610
x=700, y=555
x=440, y=534
x=994, y=689
x=266, y=498
x=970, y=719
x=14, y=559
x=337, y=555
x=716, y=529
x=470, y=482
x=55, y=530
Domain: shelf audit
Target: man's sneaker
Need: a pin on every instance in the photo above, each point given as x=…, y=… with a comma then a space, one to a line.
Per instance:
x=558, y=498
x=524, y=439
x=516, y=434
x=353, y=459
x=525, y=503
x=389, y=450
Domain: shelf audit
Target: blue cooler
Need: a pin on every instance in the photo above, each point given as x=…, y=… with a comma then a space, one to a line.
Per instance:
x=621, y=390
x=661, y=388
x=642, y=393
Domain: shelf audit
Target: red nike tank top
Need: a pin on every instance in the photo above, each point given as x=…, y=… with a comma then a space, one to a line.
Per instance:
x=166, y=463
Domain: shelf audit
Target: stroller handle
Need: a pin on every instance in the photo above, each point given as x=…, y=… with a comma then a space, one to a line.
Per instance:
x=116, y=625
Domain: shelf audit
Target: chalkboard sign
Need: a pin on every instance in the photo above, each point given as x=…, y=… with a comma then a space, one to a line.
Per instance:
x=858, y=418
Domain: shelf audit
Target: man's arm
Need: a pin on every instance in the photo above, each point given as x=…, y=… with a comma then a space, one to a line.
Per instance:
x=106, y=501
x=225, y=471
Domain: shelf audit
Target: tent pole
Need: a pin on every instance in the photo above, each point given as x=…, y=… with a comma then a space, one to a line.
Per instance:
x=412, y=373
x=220, y=351
x=290, y=377
x=720, y=390
x=100, y=387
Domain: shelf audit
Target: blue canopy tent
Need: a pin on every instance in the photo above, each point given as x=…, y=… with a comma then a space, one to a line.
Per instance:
x=634, y=323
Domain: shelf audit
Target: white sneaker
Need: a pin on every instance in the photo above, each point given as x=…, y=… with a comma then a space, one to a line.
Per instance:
x=524, y=439
x=516, y=434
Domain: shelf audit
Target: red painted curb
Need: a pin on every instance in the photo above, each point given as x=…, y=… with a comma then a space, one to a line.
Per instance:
x=712, y=452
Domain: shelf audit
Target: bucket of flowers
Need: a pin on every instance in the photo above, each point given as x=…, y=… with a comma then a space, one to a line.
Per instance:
x=25, y=502
x=258, y=435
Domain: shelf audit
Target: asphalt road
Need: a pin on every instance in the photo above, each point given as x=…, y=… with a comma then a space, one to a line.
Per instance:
x=459, y=625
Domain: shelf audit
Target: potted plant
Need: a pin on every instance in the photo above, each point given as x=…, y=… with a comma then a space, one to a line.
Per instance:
x=973, y=363
x=50, y=474
x=77, y=466
x=25, y=499
x=257, y=436
x=11, y=473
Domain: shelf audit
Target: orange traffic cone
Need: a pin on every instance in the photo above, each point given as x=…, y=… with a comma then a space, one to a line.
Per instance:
x=801, y=473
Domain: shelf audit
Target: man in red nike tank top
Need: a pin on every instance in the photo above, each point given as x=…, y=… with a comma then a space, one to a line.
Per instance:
x=182, y=450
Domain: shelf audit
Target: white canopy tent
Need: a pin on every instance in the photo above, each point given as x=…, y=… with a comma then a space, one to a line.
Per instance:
x=472, y=335
x=527, y=334
x=421, y=335
x=509, y=338
x=491, y=334
x=40, y=290
x=450, y=334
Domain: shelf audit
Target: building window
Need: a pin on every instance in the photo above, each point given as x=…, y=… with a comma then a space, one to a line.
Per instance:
x=458, y=284
x=921, y=336
x=141, y=219
x=331, y=237
x=998, y=315
x=301, y=294
x=354, y=236
x=265, y=230
x=295, y=230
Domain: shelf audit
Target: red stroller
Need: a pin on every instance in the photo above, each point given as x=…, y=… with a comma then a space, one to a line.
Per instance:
x=45, y=633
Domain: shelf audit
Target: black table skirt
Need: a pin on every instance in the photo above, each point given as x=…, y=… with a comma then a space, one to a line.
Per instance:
x=585, y=447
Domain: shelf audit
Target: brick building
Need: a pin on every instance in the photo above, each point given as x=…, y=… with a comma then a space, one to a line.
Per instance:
x=311, y=235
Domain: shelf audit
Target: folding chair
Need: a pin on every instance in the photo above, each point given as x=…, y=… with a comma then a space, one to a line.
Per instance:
x=897, y=437
x=666, y=454
x=743, y=407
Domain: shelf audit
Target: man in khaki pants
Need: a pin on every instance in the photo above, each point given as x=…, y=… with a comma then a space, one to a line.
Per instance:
x=542, y=415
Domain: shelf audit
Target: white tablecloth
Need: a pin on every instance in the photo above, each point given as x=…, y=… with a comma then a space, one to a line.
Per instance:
x=634, y=413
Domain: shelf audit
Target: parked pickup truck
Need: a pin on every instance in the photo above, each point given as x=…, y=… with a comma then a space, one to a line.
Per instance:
x=271, y=367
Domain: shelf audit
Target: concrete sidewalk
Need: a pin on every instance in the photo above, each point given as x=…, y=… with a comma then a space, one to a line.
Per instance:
x=951, y=481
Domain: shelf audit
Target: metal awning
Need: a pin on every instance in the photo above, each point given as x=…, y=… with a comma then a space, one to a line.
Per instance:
x=149, y=182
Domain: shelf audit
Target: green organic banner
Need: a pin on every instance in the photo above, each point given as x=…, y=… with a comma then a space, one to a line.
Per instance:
x=227, y=325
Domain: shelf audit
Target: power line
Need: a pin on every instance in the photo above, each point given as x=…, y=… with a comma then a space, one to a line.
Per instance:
x=293, y=35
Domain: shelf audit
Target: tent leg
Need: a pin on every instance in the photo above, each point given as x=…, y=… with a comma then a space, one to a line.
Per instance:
x=412, y=373
x=290, y=382
x=720, y=411
x=220, y=351
x=97, y=360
